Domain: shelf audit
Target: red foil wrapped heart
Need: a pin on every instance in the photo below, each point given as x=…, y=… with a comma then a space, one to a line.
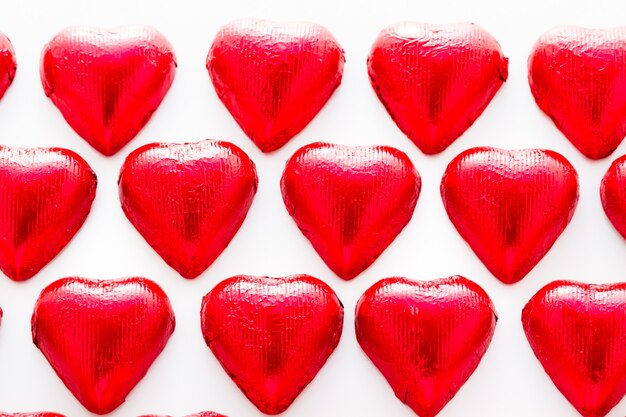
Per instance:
x=436, y=80
x=188, y=200
x=613, y=194
x=37, y=414
x=425, y=337
x=107, y=83
x=578, y=78
x=8, y=65
x=350, y=202
x=274, y=77
x=577, y=332
x=272, y=335
x=101, y=337
x=46, y=197
x=510, y=206
x=201, y=414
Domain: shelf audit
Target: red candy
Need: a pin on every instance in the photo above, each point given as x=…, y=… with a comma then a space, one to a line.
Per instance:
x=425, y=337
x=578, y=78
x=188, y=200
x=102, y=336
x=436, y=80
x=510, y=206
x=201, y=414
x=107, y=83
x=350, y=202
x=274, y=77
x=37, y=414
x=8, y=65
x=577, y=332
x=613, y=194
x=46, y=197
x=272, y=335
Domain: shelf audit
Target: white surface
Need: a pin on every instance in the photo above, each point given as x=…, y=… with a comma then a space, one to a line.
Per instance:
x=186, y=377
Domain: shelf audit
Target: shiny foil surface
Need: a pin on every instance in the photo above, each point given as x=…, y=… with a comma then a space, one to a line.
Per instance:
x=578, y=333
x=350, y=202
x=101, y=336
x=107, y=82
x=510, y=206
x=272, y=335
x=613, y=194
x=274, y=77
x=578, y=78
x=436, y=80
x=8, y=64
x=46, y=197
x=201, y=414
x=37, y=414
x=188, y=200
x=425, y=337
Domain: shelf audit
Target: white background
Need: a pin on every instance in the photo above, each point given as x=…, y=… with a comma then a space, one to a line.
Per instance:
x=186, y=377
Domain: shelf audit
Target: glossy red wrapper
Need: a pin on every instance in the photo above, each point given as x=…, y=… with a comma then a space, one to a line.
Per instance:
x=510, y=206
x=613, y=194
x=436, y=80
x=101, y=336
x=425, y=337
x=272, y=335
x=35, y=414
x=577, y=332
x=274, y=77
x=8, y=64
x=201, y=414
x=188, y=200
x=107, y=82
x=46, y=197
x=578, y=78
x=350, y=202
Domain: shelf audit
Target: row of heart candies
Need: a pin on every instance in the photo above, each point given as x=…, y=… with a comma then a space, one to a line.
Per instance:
x=273, y=335
x=275, y=77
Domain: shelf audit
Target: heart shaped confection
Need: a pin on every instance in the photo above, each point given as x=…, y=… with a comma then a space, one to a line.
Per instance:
x=107, y=83
x=436, y=80
x=188, y=200
x=8, y=65
x=201, y=414
x=36, y=414
x=46, y=197
x=578, y=333
x=272, y=335
x=101, y=337
x=613, y=194
x=578, y=78
x=510, y=206
x=274, y=77
x=425, y=337
x=350, y=202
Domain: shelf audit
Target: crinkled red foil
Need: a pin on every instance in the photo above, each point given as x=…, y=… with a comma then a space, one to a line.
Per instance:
x=425, y=337
x=107, y=82
x=188, y=200
x=8, y=64
x=201, y=414
x=272, y=335
x=350, y=202
x=274, y=77
x=101, y=336
x=510, y=206
x=35, y=414
x=613, y=194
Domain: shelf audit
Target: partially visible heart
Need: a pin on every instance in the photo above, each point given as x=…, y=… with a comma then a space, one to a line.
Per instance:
x=188, y=200
x=8, y=65
x=425, y=337
x=107, y=83
x=272, y=335
x=577, y=331
x=350, y=202
x=101, y=337
x=578, y=78
x=274, y=77
x=436, y=80
x=38, y=414
x=510, y=206
x=46, y=197
x=613, y=194
x=201, y=414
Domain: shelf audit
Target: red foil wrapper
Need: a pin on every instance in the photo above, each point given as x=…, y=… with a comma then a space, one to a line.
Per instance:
x=577, y=332
x=107, y=82
x=350, y=202
x=578, y=78
x=613, y=194
x=425, y=337
x=272, y=335
x=8, y=64
x=188, y=200
x=274, y=77
x=101, y=337
x=510, y=206
x=36, y=414
x=201, y=414
x=46, y=197
x=435, y=80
